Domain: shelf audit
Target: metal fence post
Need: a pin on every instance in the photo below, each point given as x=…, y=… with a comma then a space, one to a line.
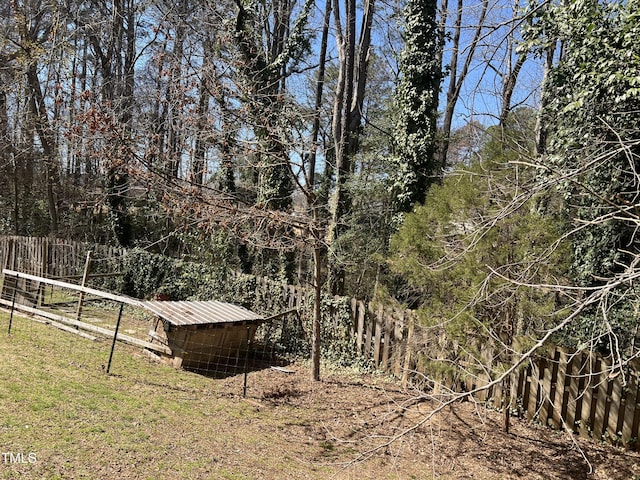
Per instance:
x=246, y=362
x=13, y=304
x=115, y=336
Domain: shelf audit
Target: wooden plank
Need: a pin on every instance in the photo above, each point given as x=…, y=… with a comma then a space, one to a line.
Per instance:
x=68, y=329
x=378, y=335
x=85, y=275
x=388, y=345
x=360, y=328
x=574, y=370
x=45, y=257
x=399, y=345
x=601, y=400
x=534, y=389
x=616, y=408
x=78, y=288
x=547, y=390
x=632, y=396
x=559, y=401
x=408, y=353
x=353, y=326
x=497, y=395
x=587, y=410
x=90, y=328
x=370, y=327
x=521, y=382
x=486, y=359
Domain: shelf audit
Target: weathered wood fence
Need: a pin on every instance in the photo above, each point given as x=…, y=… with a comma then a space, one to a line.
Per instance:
x=576, y=391
x=51, y=257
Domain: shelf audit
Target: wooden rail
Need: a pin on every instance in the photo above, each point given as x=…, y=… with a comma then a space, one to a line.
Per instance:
x=72, y=286
x=89, y=327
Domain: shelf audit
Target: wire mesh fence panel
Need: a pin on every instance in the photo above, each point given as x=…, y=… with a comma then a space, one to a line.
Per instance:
x=49, y=331
x=87, y=325
x=225, y=349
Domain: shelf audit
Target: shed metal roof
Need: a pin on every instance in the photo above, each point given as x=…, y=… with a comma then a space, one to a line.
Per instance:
x=200, y=312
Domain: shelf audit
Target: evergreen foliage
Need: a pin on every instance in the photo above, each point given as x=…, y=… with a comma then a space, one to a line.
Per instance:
x=463, y=265
x=592, y=104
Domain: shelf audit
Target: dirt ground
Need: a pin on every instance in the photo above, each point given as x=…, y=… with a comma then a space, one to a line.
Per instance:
x=360, y=420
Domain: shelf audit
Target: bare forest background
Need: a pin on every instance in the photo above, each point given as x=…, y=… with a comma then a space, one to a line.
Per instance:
x=476, y=162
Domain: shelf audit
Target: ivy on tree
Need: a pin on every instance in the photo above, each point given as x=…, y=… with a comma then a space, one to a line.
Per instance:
x=417, y=105
x=591, y=105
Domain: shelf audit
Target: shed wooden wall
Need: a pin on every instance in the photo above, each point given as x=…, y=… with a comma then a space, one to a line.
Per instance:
x=205, y=347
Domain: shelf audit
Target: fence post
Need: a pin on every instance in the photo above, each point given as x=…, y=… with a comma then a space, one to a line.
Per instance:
x=246, y=362
x=115, y=337
x=407, y=353
x=85, y=275
x=13, y=304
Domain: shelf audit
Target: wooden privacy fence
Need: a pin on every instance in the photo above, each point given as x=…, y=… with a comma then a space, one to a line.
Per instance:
x=380, y=334
x=575, y=391
x=51, y=257
x=578, y=392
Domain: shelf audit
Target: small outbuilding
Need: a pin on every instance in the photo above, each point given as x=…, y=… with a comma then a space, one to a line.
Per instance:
x=202, y=334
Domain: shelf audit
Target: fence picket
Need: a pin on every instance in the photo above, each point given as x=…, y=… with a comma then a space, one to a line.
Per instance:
x=560, y=398
x=378, y=335
x=362, y=311
x=398, y=344
x=387, y=341
x=572, y=381
x=588, y=410
x=601, y=392
x=534, y=384
x=632, y=396
x=370, y=322
x=548, y=389
x=614, y=427
x=407, y=356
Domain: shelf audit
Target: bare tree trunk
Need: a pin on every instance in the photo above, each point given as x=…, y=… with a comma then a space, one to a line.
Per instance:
x=317, y=310
x=47, y=141
x=347, y=117
x=508, y=89
x=174, y=96
x=541, y=131
x=457, y=78
x=315, y=129
x=199, y=154
x=510, y=77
